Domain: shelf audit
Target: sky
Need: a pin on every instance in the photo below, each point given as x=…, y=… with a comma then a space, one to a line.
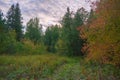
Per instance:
x=50, y=12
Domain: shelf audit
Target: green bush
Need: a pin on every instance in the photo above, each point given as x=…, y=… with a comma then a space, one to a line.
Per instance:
x=7, y=42
x=61, y=47
x=27, y=47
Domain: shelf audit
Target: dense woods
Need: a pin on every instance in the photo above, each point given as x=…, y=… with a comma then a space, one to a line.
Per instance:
x=91, y=36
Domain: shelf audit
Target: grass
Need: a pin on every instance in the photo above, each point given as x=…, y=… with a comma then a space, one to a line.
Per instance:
x=52, y=67
x=31, y=66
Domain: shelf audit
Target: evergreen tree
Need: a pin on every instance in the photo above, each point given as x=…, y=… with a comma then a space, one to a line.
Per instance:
x=78, y=19
x=18, y=23
x=70, y=34
x=67, y=19
x=91, y=16
x=66, y=31
x=2, y=33
x=77, y=41
x=6, y=37
x=2, y=22
x=14, y=20
x=51, y=38
x=10, y=18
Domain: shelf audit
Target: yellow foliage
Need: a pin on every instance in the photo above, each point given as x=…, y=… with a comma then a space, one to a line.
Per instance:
x=102, y=34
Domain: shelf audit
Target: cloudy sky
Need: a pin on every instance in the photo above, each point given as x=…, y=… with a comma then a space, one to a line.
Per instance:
x=48, y=11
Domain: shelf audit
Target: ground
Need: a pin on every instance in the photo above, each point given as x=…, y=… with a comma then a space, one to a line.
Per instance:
x=51, y=67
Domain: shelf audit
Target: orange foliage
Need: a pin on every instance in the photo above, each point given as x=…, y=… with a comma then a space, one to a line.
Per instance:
x=102, y=33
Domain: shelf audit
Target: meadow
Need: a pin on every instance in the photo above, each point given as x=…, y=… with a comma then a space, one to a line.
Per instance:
x=52, y=67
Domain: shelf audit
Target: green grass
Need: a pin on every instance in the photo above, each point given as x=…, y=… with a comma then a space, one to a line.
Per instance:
x=31, y=66
x=52, y=67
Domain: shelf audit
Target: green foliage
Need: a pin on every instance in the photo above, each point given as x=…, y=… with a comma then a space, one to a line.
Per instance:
x=53, y=67
x=103, y=46
x=61, y=47
x=2, y=22
x=30, y=67
x=76, y=41
x=86, y=71
x=6, y=37
x=11, y=31
x=10, y=17
x=51, y=37
x=26, y=48
x=18, y=23
x=34, y=31
x=70, y=34
x=6, y=43
x=14, y=21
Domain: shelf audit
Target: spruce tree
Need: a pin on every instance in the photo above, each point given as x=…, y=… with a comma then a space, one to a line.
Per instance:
x=77, y=41
x=14, y=20
x=10, y=18
x=18, y=23
x=2, y=22
x=70, y=34
x=66, y=32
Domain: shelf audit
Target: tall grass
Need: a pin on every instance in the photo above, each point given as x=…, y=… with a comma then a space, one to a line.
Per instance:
x=53, y=67
x=31, y=66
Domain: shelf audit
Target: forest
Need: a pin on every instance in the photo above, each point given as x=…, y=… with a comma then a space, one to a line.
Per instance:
x=85, y=46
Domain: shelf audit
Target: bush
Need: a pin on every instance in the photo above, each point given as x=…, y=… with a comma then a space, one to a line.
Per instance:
x=7, y=42
x=28, y=47
x=61, y=47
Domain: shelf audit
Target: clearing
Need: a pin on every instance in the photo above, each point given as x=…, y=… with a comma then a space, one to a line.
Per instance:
x=50, y=67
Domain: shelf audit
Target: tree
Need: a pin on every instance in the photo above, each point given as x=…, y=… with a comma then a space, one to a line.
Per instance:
x=10, y=18
x=51, y=37
x=34, y=30
x=2, y=32
x=18, y=23
x=2, y=22
x=14, y=21
x=70, y=34
x=77, y=42
x=6, y=37
x=91, y=16
x=102, y=33
x=66, y=31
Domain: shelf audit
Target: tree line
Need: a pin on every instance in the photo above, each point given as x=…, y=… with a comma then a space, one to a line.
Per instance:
x=64, y=40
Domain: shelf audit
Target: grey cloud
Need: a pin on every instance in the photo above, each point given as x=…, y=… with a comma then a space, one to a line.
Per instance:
x=49, y=11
